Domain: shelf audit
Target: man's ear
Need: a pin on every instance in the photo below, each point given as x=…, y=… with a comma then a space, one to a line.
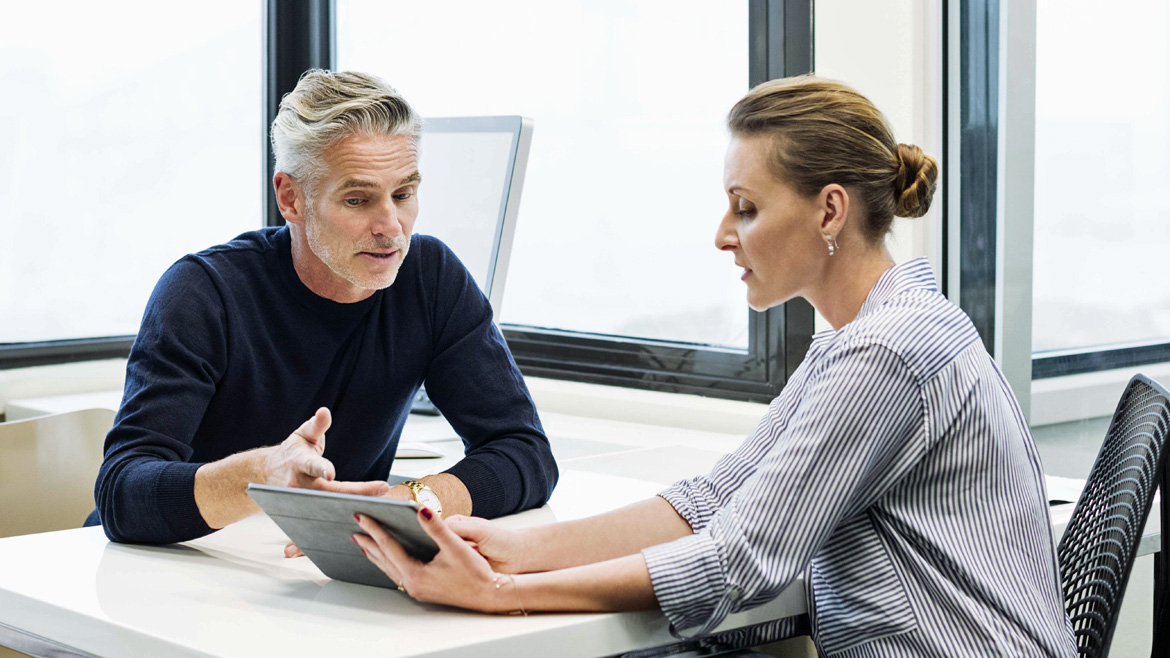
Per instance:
x=834, y=202
x=289, y=198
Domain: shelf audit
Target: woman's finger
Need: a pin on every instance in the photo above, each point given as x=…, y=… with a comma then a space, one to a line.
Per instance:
x=388, y=547
x=438, y=530
x=375, y=555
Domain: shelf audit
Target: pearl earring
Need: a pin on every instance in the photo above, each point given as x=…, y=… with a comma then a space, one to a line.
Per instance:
x=832, y=242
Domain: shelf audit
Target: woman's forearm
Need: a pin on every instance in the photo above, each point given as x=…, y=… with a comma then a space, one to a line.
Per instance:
x=604, y=537
x=614, y=585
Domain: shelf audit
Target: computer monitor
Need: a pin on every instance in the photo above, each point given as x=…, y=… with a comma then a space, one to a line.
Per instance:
x=472, y=174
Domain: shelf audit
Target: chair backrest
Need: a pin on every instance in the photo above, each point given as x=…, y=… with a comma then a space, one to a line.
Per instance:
x=1098, y=548
x=48, y=466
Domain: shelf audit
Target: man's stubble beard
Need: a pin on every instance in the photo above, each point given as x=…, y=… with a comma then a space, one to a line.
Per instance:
x=339, y=257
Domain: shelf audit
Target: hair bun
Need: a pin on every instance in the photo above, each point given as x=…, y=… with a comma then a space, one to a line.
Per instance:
x=915, y=181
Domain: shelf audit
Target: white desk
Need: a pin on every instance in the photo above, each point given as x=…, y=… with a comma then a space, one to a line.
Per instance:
x=232, y=593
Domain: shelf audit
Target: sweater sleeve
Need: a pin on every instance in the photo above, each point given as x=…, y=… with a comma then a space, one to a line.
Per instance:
x=858, y=429
x=145, y=490
x=508, y=465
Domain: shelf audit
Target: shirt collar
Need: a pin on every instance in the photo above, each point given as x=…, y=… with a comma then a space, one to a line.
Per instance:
x=912, y=275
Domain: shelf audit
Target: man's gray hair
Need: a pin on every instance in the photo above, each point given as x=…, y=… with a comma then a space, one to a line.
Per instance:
x=327, y=107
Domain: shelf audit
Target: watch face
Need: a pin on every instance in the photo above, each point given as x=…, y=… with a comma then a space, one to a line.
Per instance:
x=427, y=498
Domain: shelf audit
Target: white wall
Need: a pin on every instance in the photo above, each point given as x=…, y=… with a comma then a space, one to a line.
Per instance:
x=891, y=51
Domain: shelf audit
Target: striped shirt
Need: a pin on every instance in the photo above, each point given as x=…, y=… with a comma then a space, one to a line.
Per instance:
x=896, y=473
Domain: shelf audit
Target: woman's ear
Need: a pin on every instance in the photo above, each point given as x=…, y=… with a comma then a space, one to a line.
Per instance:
x=834, y=202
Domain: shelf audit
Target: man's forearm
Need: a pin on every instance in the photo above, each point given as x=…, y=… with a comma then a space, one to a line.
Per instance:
x=452, y=493
x=220, y=487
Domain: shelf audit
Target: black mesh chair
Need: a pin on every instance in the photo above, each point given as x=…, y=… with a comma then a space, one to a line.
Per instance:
x=1098, y=548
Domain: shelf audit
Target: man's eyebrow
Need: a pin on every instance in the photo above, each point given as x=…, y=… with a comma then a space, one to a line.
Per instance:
x=413, y=178
x=353, y=183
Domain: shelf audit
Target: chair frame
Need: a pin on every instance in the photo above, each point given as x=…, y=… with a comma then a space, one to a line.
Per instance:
x=1161, y=478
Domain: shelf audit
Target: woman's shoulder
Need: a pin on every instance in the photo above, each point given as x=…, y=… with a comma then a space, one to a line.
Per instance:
x=922, y=327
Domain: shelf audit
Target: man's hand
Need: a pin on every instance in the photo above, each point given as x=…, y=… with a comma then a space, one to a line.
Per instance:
x=297, y=462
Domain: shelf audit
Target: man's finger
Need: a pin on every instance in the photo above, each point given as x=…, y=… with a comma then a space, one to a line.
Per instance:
x=372, y=488
x=313, y=430
x=316, y=467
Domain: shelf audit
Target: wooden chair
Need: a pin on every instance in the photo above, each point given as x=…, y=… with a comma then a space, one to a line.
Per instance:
x=48, y=466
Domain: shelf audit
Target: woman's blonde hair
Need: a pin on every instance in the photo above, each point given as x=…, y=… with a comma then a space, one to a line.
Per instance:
x=326, y=107
x=825, y=132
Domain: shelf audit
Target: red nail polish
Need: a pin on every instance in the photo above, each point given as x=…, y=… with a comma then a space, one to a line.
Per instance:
x=357, y=518
x=364, y=553
x=426, y=513
x=353, y=539
x=475, y=547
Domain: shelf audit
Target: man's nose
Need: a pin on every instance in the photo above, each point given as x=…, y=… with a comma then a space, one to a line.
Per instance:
x=387, y=220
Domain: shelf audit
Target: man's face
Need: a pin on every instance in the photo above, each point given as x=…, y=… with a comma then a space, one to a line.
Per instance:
x=358, y=224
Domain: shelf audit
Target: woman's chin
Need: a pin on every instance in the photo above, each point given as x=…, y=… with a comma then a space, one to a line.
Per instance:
x=762, y=303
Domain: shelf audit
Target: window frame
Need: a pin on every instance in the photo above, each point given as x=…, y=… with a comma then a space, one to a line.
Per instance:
x=780, y=44
x=300, y=34
x=982, y=273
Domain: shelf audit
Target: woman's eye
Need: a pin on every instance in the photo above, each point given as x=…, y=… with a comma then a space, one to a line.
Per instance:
x=746, y=213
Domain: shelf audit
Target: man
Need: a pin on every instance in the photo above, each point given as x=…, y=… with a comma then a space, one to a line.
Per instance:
x=242, y=342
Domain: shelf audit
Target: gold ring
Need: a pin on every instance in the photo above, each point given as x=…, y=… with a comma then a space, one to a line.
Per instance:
x=401, y=588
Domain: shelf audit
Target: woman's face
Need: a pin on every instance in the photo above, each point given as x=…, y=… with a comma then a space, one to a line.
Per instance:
x=773, y=231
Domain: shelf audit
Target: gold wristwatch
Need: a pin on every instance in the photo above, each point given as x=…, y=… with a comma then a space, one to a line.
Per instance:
x=424, y=496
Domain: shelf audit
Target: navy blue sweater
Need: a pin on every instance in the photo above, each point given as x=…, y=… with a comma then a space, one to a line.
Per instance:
x=235, y=353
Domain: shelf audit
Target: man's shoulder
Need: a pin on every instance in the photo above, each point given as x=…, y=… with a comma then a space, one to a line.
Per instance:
x=245, y=246
x=433, y=258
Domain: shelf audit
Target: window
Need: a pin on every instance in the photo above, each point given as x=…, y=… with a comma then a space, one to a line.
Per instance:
x=124, y=147
x=1061, y=155
x=1102, y=221
x=614, y=277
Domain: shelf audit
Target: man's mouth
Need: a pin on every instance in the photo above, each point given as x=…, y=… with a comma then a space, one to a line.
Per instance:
x=381, y=255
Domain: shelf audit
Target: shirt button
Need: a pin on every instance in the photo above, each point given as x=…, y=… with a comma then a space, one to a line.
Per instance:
x=734, y=593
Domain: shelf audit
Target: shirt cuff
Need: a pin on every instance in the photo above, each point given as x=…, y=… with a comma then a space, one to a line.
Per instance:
x=689, y=577
x=682, y=497
x=175, y=499
x=489, y=497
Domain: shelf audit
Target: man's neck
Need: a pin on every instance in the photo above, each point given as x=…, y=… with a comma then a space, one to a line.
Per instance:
x=317, y=276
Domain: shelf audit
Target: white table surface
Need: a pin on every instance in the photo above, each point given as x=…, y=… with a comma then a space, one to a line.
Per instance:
x=233, y=593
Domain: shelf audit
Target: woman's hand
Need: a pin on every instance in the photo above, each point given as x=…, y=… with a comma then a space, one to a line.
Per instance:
x=457, y=575
x=503, y=548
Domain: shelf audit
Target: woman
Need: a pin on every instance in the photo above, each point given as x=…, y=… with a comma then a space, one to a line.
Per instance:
x=895, y=471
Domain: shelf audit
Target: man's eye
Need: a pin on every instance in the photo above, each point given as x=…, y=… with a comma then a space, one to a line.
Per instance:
x=353, y=203
x=403, y=196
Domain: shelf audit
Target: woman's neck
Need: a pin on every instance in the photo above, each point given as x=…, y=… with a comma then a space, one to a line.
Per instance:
x=847, y=282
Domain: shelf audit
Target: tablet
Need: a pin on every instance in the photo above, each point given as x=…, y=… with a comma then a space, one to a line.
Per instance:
x=320, y=523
